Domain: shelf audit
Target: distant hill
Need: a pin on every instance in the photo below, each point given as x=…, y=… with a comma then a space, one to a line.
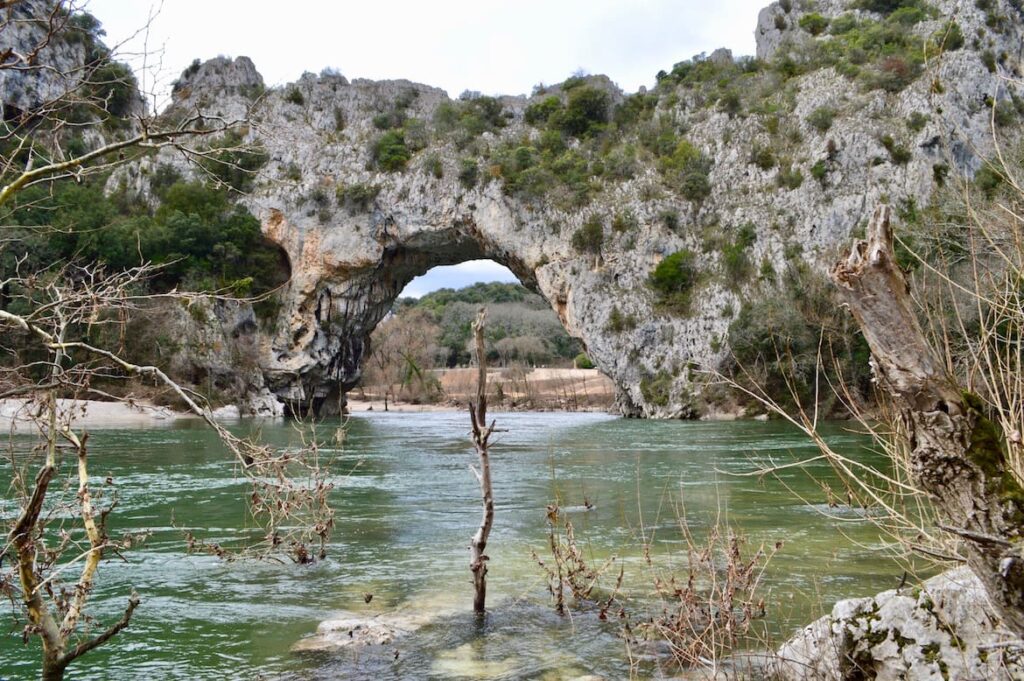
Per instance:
x=521, y=326
x=481, y=292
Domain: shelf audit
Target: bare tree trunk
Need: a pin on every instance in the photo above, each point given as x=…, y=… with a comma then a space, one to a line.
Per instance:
x=481, y=435
x=57, y=637
x=52, y=669
x=958, y=454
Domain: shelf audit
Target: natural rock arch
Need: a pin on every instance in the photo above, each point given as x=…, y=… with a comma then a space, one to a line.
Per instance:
x=356, y=229
x=333, y=312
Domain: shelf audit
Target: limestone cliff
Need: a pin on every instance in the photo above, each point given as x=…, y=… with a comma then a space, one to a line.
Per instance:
x=369, y=184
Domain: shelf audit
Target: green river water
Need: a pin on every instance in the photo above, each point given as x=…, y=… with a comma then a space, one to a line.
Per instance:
x=406, y=506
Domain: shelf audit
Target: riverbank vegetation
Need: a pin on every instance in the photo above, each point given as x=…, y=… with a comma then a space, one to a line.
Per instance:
x=700, y=601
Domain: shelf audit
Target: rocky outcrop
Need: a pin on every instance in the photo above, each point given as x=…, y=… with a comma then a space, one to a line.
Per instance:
x=944, y=630
x=48, y=55
x=356, y=234
x=44, y=71
x=354, y=631
x=212, y=345
x=215, y=345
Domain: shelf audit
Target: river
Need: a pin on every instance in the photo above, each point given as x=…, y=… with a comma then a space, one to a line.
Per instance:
x=406, y=506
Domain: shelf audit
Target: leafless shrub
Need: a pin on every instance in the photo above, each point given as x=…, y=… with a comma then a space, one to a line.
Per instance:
x=710, y=609
x=570, y=569
x=481, y=443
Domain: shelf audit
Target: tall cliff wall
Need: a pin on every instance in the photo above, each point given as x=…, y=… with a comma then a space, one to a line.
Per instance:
x=369, y=184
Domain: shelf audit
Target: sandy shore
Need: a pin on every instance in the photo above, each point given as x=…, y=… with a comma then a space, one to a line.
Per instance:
x=542, y=389
x=17, y=413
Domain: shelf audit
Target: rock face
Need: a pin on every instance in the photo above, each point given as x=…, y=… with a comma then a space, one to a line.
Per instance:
x=24, y=89
x=216, y=345
x=943, y=632
x=50, y=55
x=355, y=234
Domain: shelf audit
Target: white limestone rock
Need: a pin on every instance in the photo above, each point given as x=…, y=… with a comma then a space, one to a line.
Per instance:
x=935, y=633
x=349, y=265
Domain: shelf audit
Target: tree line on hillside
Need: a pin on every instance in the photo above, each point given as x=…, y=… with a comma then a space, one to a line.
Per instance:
x=521, y=325
x=436, y=331
x=197, y=235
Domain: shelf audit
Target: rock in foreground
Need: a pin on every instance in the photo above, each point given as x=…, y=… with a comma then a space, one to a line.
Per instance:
x=350, y=630
x=942, y=631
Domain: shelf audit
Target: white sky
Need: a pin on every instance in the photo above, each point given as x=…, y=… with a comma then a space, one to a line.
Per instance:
x=496, y=46
x=457, y=276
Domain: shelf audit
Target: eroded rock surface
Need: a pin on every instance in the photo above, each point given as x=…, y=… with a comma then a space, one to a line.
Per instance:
x=944, y=631
x=355, y=234
x=355, y=631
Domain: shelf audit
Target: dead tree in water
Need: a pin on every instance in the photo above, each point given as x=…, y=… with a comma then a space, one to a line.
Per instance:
x=481, y=435
x=958, y=454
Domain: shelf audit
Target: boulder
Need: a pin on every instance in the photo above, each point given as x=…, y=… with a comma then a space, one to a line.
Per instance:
x=943, y=631
x=351, y=630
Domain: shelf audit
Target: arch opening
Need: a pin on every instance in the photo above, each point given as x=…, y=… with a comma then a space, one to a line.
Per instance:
x=337, y=302
x=419, y=353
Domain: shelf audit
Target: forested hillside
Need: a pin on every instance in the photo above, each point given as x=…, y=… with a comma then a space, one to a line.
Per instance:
x=520, y=326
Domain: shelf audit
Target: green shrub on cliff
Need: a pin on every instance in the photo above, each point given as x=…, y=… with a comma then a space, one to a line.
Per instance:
x=687, y=169
x=674, y=279
x=950, y=37
x=234, y=162
x=469, y=117
x=356, y=197
x=539, y=112
x=814, y=23
x=389, y=151
x=625, y=221
x=619, y=322
x=763, y=157
x=657, y=389
x=634, y=109
x=735, y=256
x=885, y=6
x=882, y=54
x=789, y=177
x=582, y=361
x=589, y=238
x=530, y=172
x=821, y=118
x=469, y=172
x=898, y=154
x=113, y=84
x=586, y=112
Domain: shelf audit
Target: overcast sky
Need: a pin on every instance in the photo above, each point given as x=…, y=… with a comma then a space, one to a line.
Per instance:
x=496, y=47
